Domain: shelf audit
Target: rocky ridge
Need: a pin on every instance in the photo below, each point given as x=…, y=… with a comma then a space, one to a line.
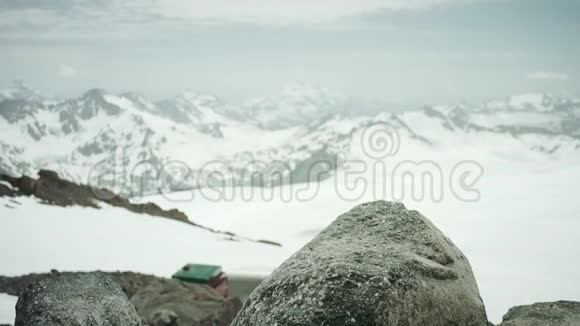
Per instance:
x=98, y=133
x=50, y=189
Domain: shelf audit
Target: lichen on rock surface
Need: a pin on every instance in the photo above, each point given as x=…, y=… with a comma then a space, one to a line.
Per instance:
x=561, y=313
x=376, y=265
x=75, y=299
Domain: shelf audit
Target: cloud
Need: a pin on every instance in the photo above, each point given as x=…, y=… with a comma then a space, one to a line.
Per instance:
x=547, y=75
x=35, y=4
x=281, y=11
x=215, y=11
x=66, y=71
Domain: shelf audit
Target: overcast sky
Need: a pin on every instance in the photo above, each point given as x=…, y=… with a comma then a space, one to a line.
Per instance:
x=412, y=51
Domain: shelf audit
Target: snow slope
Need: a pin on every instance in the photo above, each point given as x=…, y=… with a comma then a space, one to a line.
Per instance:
x=7, y=308
x=190, y=136
x=36, y=237
x=521, y=237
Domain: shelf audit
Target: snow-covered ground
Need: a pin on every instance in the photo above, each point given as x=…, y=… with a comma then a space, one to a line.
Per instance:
x=521, y=236
x=7, y=308
x=36, y=237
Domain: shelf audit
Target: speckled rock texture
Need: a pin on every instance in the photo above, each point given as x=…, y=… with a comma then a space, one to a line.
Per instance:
x=158, y=301
x=169, y=302
x=75, y=299
x=561, y=313
x=376, y=265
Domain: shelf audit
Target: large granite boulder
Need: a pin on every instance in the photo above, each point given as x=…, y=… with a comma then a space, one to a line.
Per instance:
x=561, y=313
x=75, y=299
x=377, y=265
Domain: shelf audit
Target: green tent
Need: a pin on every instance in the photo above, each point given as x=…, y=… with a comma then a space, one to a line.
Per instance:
x=197, y=273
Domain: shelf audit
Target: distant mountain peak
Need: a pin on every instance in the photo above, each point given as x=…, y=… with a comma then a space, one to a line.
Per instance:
x=198, y=99
x=195, y=128
x=538, y=102
x=19, y=91
x=139, y=101
x=303, y=89
x=94, y=93
x=530, y=100
x=296, y=104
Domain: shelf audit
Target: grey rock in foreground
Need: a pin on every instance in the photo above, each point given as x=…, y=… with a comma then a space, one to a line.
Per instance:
x=169, y=302
x=561, y=313
x=377, y=265
x=75, y=299
x=159, y=301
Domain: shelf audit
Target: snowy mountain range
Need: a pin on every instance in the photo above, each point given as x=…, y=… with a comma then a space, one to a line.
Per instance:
x=128, y=142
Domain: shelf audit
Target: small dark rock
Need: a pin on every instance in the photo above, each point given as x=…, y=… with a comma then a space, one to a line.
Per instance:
x=27, y=185
x=164, y=317
x=75, y=299
x=48, y=174
x=272, y=243
x=561, y=313
x=143, y=289
x=6, y=191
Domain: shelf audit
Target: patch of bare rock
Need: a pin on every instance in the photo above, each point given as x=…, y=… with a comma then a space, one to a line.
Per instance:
x=561, y=313
x=53, y=190
x=376, y=265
